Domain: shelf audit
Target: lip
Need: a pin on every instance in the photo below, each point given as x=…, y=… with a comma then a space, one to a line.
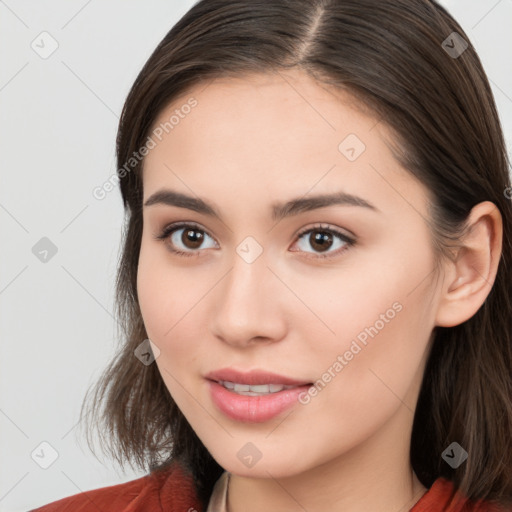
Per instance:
x=253, y=409
x=253, y=377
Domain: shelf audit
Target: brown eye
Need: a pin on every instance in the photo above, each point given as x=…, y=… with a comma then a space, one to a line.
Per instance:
x=185, y=239
x=192, y=238
x=320, y=240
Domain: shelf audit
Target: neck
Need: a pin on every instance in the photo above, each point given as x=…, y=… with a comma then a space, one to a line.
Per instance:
x=372, y=476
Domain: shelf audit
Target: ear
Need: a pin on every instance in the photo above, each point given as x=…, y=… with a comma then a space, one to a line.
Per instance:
x=468, y=279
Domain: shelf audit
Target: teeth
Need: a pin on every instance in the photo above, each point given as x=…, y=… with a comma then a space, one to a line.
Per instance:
x=257, y=390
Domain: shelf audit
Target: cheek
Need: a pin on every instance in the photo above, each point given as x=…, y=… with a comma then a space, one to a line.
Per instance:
x=158, y=288
x=382, y=339
x=153, y=301
x=335, y=305
x=362, y=384
x=380, y=314
x=170, y=302
x=166, y=314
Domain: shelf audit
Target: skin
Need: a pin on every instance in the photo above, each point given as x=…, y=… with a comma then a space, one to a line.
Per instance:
x=260, y=139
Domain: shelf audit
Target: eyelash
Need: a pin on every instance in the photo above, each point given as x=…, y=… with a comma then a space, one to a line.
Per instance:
x=168, y=230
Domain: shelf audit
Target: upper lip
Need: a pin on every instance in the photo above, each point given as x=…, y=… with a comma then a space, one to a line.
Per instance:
x=253, y=377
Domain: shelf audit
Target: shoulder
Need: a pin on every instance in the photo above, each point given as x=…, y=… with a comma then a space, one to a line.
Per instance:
x=166, y=490
x=442, y=497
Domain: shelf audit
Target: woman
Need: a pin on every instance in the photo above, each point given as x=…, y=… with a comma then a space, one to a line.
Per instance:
x=315, y=283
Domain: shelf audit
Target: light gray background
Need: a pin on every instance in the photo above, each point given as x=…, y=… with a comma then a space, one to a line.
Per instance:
x=59, y=120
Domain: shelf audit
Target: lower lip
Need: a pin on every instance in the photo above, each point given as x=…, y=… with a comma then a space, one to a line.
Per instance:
x=254, y=409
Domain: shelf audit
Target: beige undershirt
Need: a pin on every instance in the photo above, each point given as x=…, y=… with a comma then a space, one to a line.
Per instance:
x=218, y=498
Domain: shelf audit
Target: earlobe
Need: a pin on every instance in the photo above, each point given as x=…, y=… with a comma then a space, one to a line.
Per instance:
x=470, y=276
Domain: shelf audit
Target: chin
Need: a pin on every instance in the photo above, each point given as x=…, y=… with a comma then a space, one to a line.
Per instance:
x=278, y=466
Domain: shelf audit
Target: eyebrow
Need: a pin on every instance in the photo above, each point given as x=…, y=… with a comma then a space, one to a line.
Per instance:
x=279, y=210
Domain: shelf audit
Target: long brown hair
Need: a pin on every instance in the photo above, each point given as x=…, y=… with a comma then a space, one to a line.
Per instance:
x=401, y=61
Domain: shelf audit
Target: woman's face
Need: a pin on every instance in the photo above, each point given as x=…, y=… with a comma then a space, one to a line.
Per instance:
x=284, y=274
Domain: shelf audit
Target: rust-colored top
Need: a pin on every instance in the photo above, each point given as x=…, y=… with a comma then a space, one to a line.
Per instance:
x=173, y=490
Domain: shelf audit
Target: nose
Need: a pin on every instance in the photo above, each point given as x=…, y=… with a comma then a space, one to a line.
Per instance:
x=250, y=304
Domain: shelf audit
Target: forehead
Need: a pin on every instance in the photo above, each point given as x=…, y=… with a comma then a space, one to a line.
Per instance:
x=266, y=132
x=272, y=101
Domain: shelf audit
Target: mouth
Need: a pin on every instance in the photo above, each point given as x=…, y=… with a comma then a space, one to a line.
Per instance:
x=254, y=381
x=253, y=390
x=254, y=396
